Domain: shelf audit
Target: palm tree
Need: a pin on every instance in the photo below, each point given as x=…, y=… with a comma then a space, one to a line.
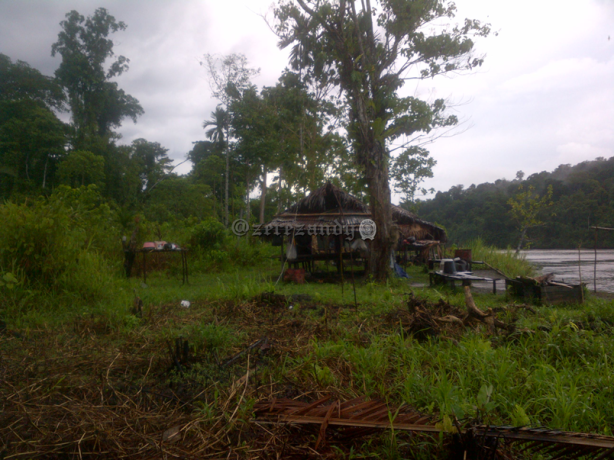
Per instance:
x=219, y=133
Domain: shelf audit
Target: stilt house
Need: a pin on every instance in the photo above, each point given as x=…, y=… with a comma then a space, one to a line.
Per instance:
x=325, y=226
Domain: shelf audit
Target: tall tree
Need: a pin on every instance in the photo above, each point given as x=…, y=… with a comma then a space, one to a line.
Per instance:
x=123, y=175
x=218, y=131
x=526, y=207
x=82, y=168
x=257, y=125
x=154, y=164
x=410, y=169
x=217, y=127
x=20, y=82
x=229, y=77
x=96, y=103
x=32, y=138
x=209, y=169
x=282, y=129
x=368, y=53
x=310, y=142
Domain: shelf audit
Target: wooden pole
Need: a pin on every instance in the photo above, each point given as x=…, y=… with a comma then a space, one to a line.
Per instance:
x=327, y=243
x=609, y=229
x=580, y=271
x=595, y=268
x=340, y=245
x=187, y=268
x=145, y=267
x=282, y=253
x=353, y=281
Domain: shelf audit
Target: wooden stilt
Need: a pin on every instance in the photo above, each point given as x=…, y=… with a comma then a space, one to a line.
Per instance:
x=595, y=268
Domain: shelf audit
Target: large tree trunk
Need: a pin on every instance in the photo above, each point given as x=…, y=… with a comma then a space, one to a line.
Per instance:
x=263, y=188
x=371, y=154
x=379, y=200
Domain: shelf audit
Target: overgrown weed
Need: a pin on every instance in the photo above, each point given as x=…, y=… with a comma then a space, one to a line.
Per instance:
x=559, y=374
x=507, y=260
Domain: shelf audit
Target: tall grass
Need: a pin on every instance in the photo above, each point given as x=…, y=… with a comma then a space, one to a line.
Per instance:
x=560, y=374
x=507, y=261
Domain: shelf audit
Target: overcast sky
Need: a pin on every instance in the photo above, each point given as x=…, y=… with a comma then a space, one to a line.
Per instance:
x=544, y=96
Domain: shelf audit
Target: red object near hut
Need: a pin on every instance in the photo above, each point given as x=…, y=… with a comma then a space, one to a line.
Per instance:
x=295, y=275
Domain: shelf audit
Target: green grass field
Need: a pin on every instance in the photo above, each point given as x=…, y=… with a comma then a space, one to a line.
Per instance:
x=89, y=377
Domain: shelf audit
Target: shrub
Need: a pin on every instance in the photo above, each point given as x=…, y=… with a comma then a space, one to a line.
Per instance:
x=208, y=235
x=505, y=260
x=56, y=244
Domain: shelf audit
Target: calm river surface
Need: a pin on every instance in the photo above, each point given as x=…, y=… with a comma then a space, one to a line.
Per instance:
x=564, y=264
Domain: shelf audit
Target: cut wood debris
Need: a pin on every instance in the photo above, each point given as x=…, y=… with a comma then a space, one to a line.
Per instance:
x=543, y=289
x=423, y=319
x=358, y=417
x=169, y=389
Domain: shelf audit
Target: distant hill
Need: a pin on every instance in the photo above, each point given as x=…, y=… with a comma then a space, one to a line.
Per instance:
x=583, y=195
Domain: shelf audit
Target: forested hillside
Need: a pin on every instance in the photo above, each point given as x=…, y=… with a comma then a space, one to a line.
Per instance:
x=581, y=196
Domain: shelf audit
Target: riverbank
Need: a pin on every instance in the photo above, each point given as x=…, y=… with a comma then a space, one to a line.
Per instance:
x=574, y=267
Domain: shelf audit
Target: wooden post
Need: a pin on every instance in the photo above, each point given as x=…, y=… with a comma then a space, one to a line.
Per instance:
x=341, y=255
x=340, y=246
x=580, y=271
x=182, y=268
x=145, y=267
x=609, y=229
x=187, y=269
x=353, y=281
x=327, y=244
x=595, y=268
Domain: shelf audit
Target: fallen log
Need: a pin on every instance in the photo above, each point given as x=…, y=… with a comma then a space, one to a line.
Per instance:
x=487, y=317
x=544, y=279
x=451, y=319
x=565, y=285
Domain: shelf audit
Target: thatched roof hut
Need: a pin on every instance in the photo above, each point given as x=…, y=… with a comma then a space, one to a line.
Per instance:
x=411, y=226
x=330, y=207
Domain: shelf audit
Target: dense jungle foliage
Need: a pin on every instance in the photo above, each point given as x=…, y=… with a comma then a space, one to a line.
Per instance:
x=71, y=190
x=582, y=196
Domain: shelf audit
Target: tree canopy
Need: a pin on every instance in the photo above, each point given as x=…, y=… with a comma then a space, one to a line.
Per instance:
x=229, y=77
x=32, y=138
x=368, y=53
x=97, y=104
x=20, y=82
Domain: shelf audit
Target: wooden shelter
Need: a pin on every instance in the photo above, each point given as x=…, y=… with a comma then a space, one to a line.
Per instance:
x=326, y=226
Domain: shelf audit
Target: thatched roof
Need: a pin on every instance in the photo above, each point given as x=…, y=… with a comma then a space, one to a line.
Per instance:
x=330, y=206
x=327, y=199
x=410, y=225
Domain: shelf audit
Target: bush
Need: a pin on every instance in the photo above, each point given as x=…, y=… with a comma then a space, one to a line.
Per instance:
x=208, y=235
x=507, y=261
x=57, y=244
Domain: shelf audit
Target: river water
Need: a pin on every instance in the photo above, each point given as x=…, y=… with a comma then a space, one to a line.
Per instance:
x=569, y=266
